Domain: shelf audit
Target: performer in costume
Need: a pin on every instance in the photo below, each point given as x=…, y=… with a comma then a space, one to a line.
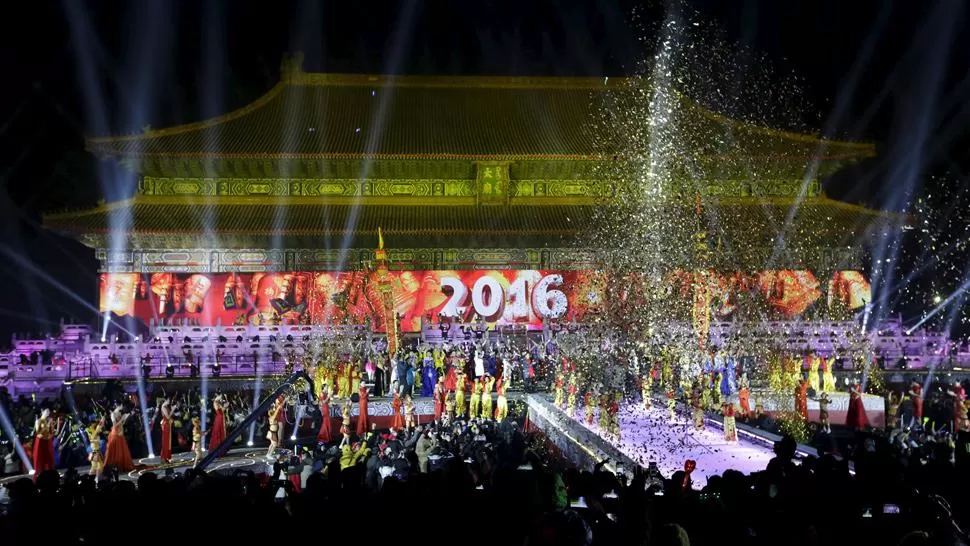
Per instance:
x=893, y=401
x=698, y=406
x=449, y=416
x=397, y=419
x=218, y=434
x=43, y=452
x=916, y=397
x=571, y=392
x=646, y=387
x=276, y=418
x=475, y=402
x=823, y=413
x=559, y=390
x=197, y=434
x=828, y=378
x=744, y=396
x=813, y=377
x=604, y=420
x=501, y=402
x=959, y=407
x=362, y=417
x=325, y=433
x=410, y=413
x=589, y=401
x=460, y=385
x=613, y=410
x=487, y=383
x=730, y=427
x=856, y=416
x=166, y=425
x=95, y=457
x=801, y=398
x=439, y=398
x=343, y=380
x=345, y=417
x=117, y=453
x=671, y=401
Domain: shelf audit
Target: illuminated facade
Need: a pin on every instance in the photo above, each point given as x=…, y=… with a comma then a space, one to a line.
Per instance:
x=483, y=187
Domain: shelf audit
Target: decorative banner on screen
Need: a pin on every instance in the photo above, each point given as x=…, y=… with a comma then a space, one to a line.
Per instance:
x=502, y=297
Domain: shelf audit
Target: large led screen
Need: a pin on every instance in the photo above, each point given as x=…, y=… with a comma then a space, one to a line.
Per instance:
x=502, y=297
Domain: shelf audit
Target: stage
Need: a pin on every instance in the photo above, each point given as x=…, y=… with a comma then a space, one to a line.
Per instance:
x=838, y=408
x=649, y=436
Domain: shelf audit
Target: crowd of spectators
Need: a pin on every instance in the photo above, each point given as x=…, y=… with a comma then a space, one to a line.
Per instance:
x=481, y=482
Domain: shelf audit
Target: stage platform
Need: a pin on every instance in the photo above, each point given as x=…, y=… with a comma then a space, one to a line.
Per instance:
x=838, y=408
x=650, y=436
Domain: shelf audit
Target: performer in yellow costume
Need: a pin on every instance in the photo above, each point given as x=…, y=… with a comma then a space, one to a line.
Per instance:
x=475, y=401
x=460, y=386
x=559, y=390
x=828, y=378
x=813, y=377
x=571, y=395
x=486, y=402
x=501, y=402
x=96, y=458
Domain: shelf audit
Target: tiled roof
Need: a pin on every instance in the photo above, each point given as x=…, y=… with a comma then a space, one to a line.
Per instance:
x=819, y=222
x=322, y=115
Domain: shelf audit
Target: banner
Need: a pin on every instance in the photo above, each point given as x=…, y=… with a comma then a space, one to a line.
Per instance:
x=501, y=297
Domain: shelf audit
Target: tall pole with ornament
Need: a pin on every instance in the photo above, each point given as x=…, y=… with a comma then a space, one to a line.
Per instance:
x=387, y=296
x=701, y=311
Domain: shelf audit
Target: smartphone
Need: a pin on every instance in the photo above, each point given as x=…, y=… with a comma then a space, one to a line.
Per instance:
x=579, y=503
x=890, y=509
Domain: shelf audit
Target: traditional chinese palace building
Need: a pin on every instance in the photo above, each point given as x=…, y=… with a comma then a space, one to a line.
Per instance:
x=462, y=174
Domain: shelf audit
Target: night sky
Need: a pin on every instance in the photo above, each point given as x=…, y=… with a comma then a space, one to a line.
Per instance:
x=892, y=72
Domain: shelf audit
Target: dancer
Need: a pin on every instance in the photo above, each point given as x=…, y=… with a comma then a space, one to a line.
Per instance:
x=345, y=417
x=893, y=401
x=43, y=452
x=324, y=435
x=197, y=434
x=397, y=419
x=362, y=411
x=117, y=454
x=449, y=416
x=275, y=417
x=613, y=413
x=744, y=396
x=698, y=406
x=218, y=436
x=959, y=407
x=813, y=377
x=856, y=416
x=410, y=413
x=95, y=457
x=916, y=397
x=501, y=402
x=461, y=384
x=730, y=427
x=166, y=425
x=589, y=401
x=487, y=383
x=571, y=393
x=823, y=413
x=801, y=398
x=475, y=402
x=828, y=378
x=439, y=398
x=559, y=390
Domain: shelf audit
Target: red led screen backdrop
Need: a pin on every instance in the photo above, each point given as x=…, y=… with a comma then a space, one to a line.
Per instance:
x=503, y=297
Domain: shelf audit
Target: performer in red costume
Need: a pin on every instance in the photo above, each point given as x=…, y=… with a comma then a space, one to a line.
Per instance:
x=916, y=397
x=218, y=423
x=364, y=393
x=856, y=417
x=801, y=398
x=323, y=400
x=166, y=424
x=959, y=406
x=397, y=420
x=117, y=452
x=43, y=452
x=439, y=398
